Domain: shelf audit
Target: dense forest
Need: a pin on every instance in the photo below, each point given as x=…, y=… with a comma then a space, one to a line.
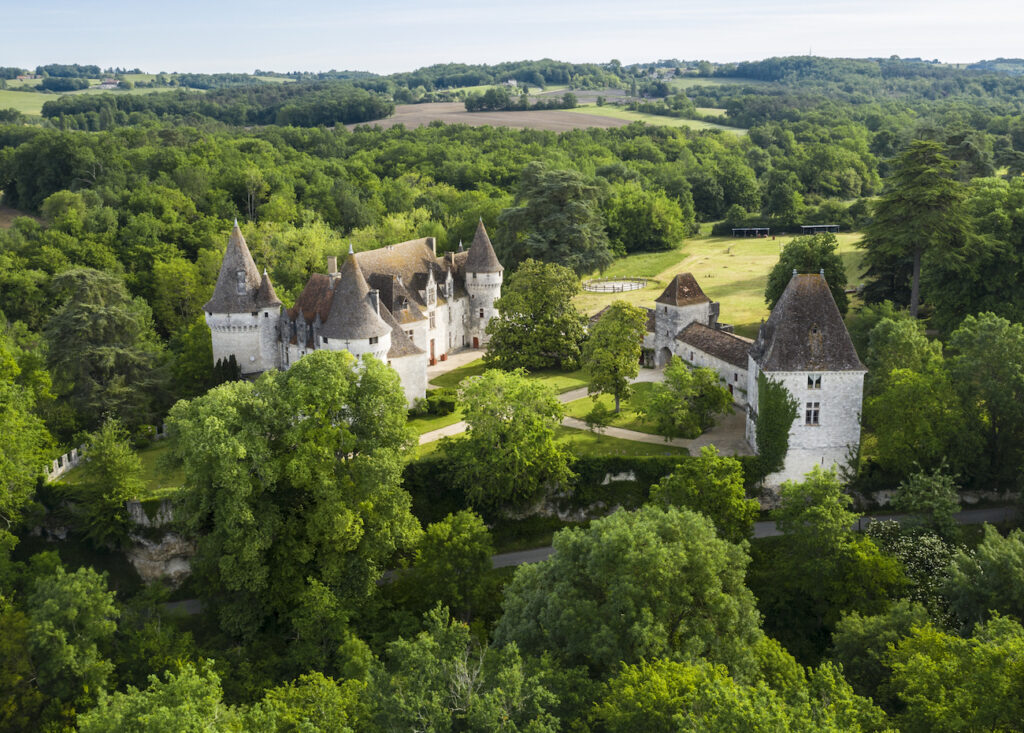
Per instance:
x=345, y=582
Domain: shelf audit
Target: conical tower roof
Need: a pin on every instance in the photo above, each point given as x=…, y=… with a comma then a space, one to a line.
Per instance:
x=805, y=331
x=266, y=297
x=238, y=280
x=481, y=257
x=352, y=314
x=682, y=290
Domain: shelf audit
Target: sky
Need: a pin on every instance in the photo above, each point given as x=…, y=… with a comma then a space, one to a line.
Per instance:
x=386, y=36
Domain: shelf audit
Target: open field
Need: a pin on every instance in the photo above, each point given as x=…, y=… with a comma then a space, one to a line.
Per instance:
x=700, y=81
x=620, y=113
x=719, y=111
x=31, y=103
x=454, y=113
x=732, y=271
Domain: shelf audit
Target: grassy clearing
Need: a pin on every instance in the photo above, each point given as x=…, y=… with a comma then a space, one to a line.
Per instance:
x=624, y=114
x=714, y=111
x=732, y=271
x=587, y=443
x=559, y=381
x=425, y=424
x=31, y=103
x=627, y=417
x=157, y=483
x=646, y=264
x=700, y=81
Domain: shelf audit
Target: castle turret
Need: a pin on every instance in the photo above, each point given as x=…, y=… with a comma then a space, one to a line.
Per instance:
x=483, y=283
x=354, y=322
x=682, y=303
x=243, y=312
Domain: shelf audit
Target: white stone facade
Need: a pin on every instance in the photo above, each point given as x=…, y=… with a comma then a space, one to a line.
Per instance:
x=250, y=337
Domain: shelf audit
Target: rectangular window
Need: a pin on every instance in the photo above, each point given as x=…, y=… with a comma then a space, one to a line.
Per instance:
x=481, y=312
x=267, y=314
x=409, y=334
x=373, y=340
x=813, y=381
x=432, y=325
x=811, y=413
x=735, y=376
x=474, y=276
x=326, y=340
x=255, y=314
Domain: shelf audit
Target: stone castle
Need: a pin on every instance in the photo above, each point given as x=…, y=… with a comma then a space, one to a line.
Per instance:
x=401, y=303
x=804, y=345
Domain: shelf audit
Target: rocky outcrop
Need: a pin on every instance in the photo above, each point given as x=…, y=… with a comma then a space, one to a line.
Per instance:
x=166, y=560
x=137, y=514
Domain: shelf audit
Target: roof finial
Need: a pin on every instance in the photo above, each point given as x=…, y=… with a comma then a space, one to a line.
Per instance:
x=822, y=272
x=350, y=251
x=460, y=245
x=794, y=272
x=236, y=222
x=264, y=272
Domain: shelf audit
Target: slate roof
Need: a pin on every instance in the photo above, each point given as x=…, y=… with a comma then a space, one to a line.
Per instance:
x=266, y=297
x=401, y=344
x=805, y=331
x=683, y=290
x=315, y=299
x=481, y=254
x=411, y=261
x=352, y=315
x=238, y=281
x=728, y=347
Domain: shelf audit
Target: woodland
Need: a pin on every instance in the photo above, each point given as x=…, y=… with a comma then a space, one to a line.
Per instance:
x=345, y=578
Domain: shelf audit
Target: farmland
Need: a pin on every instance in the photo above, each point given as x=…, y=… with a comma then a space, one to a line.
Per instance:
x=731, y=271
x=619, y=113
x=454, y=113
x=31, y=103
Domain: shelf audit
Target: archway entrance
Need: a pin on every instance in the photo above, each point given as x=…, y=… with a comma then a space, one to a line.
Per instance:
x=476, y=343
x=664, y=356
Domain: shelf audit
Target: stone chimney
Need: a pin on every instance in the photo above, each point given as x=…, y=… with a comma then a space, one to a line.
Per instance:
x=433, y=245
x=332, y=265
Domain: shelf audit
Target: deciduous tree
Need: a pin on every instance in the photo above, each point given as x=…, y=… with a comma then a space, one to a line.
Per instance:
x=686, y=403
x=539, y=327
x=809, y=254
x=612, y=350
x=509, y=455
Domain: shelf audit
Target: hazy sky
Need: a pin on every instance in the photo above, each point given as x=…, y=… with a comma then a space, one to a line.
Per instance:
x=399, y=35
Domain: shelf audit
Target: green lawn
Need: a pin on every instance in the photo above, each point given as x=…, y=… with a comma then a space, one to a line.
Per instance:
x=559, y=381
x=732, y=271
x=627, y=418
x=587, y=443
x=713, y=111
x=625, y=114
x=646, y=264
x=426, y=424
x=157, y=482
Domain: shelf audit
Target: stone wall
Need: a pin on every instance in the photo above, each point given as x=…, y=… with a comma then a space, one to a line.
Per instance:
x=730, y=374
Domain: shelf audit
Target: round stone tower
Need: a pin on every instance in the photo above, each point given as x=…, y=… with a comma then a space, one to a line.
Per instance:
x=243, y=312
x=483, y=283
x=354, y=322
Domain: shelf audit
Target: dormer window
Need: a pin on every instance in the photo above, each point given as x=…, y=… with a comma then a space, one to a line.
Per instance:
x=813, y=381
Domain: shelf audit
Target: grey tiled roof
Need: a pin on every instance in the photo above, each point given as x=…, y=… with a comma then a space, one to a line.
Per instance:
x=683, y=290
x=352, y=315
x=238, y=280
x=481, y=254
x=725, y=346
x=805, y=331
x=401, y=344
x=266, y=297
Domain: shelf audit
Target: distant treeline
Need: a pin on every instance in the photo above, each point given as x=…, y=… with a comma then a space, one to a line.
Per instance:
x=90, y=71
x=500, y=98
x=304, y=104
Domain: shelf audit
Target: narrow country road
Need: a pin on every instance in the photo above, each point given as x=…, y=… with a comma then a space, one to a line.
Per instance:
x=993, y=515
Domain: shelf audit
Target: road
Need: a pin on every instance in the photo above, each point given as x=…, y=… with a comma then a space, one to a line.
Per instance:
x=994, y=515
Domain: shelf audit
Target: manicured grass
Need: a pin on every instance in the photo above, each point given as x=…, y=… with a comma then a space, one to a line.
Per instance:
x=587, y=443
x=732, y=271
x=621, y=113
x=426, y=424
x=158, y=483
x=627, y=418
x=559, y=381
x=645, y=264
